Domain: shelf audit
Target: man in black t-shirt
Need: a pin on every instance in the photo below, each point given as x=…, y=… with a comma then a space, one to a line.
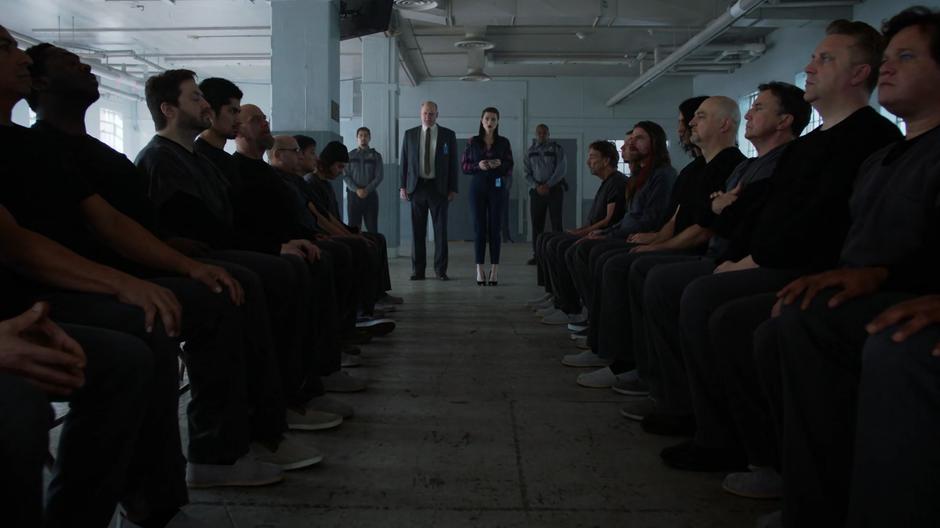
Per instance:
x=607, y=209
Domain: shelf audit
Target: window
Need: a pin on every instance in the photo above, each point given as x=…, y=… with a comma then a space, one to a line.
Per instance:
x=32, y=117
x=814, y=119
x=744, y=104
x=111, y=129
x=894, y=119
x=621, y=165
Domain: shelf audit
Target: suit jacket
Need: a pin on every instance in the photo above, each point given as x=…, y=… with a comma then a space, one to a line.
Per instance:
x=446, y=160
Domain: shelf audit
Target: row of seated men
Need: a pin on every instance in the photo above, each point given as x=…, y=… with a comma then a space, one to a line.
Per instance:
x=110, y=269
x=781, y=311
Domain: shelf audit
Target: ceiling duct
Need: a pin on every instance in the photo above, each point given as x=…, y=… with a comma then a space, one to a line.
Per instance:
x=715, y=28
x=475, y=71
x=415, y=5
x=476, y=47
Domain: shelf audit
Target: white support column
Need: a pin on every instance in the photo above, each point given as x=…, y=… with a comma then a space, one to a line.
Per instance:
x=305, y=68
x=380, y=114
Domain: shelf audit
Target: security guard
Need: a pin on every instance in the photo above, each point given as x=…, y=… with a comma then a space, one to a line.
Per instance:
x=545, y=172
x=363, y=175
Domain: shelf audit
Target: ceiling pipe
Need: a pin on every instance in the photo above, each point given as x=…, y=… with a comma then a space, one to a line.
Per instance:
x=120, y=93
x=715, y=28
x=97, y=68
x=71, y=30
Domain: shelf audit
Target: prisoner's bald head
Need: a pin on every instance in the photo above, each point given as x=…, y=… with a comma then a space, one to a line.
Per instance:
x=255, y=131
x=716, y=122
x=285, y=154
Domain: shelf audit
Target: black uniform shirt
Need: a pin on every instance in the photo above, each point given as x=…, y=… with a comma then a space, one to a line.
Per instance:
x=41, y=188
x=265, y=208
x=612, y=191
x=896, y=214
x=189, y=192
x=798, y=218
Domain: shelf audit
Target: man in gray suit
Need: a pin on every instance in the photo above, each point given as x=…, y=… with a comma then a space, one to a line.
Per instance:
x=429, y=164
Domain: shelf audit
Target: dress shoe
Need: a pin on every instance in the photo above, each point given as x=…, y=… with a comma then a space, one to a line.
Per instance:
x=443, y=277
x=417, y=277
x=493, y=280
x=481, y=277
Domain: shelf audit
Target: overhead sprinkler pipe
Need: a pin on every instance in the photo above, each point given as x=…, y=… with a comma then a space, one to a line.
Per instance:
x=714, y=28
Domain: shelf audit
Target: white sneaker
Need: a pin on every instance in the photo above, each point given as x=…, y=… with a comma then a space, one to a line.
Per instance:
x=639, y=409
x=349, y=361
x=584, y=359
x=290, y=454
x=389, y=299
x=548, y=303
x=758, y=483
x=341, y=381
x=538, y=300
x=246, y=471
x=630, y=384
x=558, y=318
x=377, y=327
x=599, y=379
x=572, y=327
x=326, y=404
x=548, y=310
x=312, y=420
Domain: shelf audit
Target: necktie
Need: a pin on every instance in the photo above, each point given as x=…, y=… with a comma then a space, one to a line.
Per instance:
x=427, y=152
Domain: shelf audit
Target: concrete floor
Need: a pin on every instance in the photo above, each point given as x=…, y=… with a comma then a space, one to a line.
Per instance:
x=472, y=421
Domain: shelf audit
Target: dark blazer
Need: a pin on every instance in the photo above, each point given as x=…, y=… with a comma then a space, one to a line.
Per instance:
x=446, y=160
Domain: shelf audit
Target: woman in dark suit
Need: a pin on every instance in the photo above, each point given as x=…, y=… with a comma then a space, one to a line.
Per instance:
x=488, y=158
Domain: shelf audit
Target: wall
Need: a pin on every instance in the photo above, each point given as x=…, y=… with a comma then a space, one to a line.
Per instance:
x=789, y=51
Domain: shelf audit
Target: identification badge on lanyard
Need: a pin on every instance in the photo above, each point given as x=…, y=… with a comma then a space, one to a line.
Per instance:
x=499, y=182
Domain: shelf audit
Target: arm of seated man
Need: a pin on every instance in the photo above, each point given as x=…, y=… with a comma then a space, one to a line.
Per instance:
x=690, y=237
x=131, y=240
x=50, y=263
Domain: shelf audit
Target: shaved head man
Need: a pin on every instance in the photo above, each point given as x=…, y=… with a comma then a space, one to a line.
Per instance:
x=715, y=125
x=254, y=134
x=285, y=154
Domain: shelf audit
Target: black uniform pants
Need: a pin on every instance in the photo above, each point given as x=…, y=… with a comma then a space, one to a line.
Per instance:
x=112, y=447
x=540, y=205
x=810, y=364
x=897, y=433
x=235, y=384
x=363, y=209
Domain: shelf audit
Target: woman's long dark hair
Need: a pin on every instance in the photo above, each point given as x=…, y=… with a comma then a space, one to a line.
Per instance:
x=482, y=133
